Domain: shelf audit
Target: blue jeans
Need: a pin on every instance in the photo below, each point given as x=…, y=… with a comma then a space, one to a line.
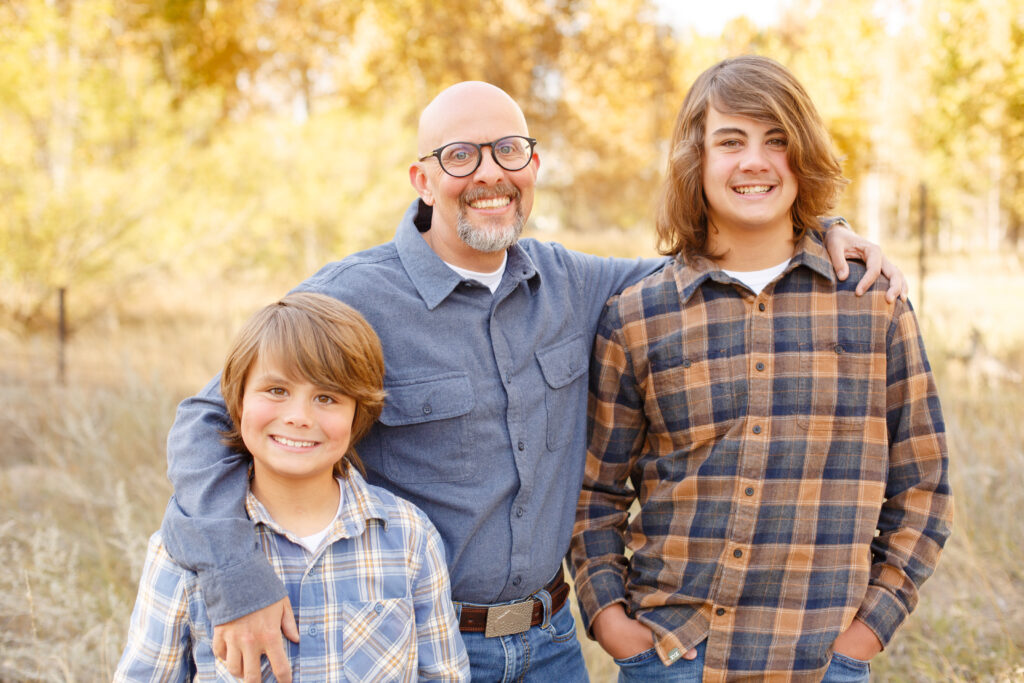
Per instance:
x=646, y=667
x=547, y=653
x=845, y=669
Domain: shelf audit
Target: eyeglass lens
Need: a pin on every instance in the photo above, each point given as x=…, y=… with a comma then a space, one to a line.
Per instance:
x=462, y=158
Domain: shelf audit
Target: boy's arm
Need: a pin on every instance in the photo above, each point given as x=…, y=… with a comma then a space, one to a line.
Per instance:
x=159, y=641
x=442, y=655
x=617, y=428
x=916, y=518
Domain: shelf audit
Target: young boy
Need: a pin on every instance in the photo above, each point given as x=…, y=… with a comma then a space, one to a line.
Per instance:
x=365, y=571
x=783, y=435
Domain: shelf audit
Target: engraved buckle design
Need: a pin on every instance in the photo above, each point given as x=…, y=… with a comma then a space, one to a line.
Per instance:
x=506, y=620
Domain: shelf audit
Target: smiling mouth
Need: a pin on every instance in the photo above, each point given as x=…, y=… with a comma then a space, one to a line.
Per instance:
x=292, y=443
x=491, y=202
x=753, y=189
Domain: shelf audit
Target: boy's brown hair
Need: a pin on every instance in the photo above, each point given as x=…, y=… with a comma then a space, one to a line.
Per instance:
x=764, y=90
x=321, y=340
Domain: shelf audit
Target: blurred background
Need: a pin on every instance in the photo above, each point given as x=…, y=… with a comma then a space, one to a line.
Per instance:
x=168, y=166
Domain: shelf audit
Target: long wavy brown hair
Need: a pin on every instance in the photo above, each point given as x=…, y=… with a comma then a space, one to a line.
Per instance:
x=761, y=89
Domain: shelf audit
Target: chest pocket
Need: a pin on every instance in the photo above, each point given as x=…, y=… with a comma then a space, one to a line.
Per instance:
x=691, y=395
x=424, y=435
x=377, y=635
x=562, y=364
x=835, y=386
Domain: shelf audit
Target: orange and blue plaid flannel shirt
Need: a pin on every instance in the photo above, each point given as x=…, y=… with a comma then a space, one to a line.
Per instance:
x=789, y=457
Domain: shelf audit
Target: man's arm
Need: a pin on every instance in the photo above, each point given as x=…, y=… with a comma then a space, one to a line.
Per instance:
x=916, y=518
x=205, y=529
x=617, y=427
x=442, y=655
x=842, y=243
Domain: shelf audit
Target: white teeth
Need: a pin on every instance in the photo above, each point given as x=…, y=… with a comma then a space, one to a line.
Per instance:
x=491, y=203
x=753, y=189
x=294, y=444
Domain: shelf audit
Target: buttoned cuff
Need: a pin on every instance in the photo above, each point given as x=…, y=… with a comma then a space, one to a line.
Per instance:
x=596, y=591
x=882, y=612
x=240, y=589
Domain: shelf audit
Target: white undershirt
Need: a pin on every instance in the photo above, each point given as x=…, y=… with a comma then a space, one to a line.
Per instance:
x=312, y=542
x=488, y=280
x=756, y=280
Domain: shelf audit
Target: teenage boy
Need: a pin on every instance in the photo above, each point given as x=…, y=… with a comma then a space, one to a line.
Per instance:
x=364, y=570
x=783, y=436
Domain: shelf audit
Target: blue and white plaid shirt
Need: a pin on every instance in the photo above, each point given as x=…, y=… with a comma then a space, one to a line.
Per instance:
x=372, y=603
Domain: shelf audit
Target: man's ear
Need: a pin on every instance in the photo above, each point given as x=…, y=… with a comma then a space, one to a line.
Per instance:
x=418, y=178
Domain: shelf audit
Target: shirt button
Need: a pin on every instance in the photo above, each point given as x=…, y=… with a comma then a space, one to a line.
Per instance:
x=508, y=378
x=759, y=366
x=839, y=348
x=760, y=307
x=521, y=446
x=737, y=553
x=378, y=608
x=720, y=611
x=749, y=491
x=757, y=429
x=311, y=630
x=516, y=581
x=687, y=363
x=520, y=512
x=427, y=410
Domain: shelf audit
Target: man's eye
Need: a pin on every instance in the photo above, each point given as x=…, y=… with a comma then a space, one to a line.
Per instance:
x=459, y=155
x=778, y=142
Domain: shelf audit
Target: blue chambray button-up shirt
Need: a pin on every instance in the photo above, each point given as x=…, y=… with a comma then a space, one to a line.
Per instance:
x=484, y=426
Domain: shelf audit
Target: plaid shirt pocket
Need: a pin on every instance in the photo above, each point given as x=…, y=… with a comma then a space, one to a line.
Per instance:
x=377, y=637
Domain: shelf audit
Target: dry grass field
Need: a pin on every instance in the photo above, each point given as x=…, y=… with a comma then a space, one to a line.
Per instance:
x=82, y=480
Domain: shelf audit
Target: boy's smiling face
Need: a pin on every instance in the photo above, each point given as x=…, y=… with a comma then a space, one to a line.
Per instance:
x=293, y=428
x=746, y=176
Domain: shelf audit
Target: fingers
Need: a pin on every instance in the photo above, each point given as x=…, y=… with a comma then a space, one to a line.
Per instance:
x=251, y=653
x=898, y=285
x=873, y=268
x=279, y=663
x=837, y=254
x=288, y=626
x=690, y=654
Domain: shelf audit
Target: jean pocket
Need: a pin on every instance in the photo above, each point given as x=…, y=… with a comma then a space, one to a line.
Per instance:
x=851, y=662
x=638, y=658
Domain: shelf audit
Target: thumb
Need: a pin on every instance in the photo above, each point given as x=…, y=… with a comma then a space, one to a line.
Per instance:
x=691, y=654
x=288, y=626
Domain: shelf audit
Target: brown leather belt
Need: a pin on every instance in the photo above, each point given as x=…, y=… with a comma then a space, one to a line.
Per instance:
x=503, y=620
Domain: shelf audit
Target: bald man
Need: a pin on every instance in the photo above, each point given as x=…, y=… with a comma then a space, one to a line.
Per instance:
x=487, y=340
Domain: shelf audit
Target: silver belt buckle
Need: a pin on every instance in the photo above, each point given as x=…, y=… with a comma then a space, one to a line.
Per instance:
x=505, y=620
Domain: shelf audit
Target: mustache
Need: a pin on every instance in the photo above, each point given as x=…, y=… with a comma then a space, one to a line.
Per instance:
x=475, y=193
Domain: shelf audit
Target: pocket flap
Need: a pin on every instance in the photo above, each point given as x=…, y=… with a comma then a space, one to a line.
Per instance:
x=427, y=399
x=563, y=362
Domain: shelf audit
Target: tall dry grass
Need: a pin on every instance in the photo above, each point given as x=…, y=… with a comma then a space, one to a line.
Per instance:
x=82, y=482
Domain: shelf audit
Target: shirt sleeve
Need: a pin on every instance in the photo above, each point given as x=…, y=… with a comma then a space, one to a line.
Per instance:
x=617, y=429
x=205, y=528
x=442, y=655
x=916, y=518
x=159, y=646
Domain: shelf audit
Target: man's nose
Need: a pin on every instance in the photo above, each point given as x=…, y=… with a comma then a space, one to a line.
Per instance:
x=754, y=158
x=488, y=171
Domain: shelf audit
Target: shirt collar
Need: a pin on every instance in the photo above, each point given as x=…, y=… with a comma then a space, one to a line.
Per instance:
x=431, y=276
x=359, y=506
x=810, y=253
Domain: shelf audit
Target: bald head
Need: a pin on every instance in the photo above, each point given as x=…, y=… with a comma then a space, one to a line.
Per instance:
x=469, y=111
